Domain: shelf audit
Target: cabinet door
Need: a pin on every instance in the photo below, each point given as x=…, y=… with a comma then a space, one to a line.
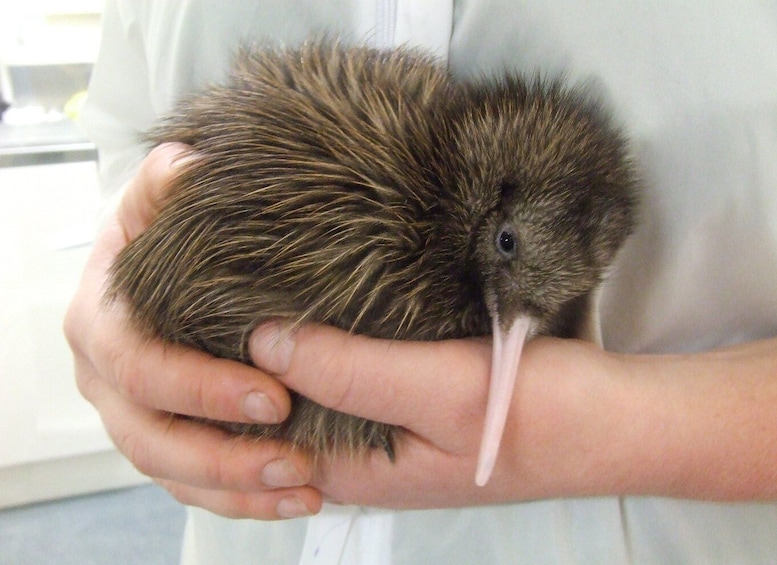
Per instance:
x=47, y=222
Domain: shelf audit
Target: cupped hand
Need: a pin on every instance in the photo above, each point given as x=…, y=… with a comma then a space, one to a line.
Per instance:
x=557, y=439
x=435, y=391
x=140, y=387
x=582, y=422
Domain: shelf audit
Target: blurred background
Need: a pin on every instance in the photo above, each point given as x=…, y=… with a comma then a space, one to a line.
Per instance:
x=52, y=444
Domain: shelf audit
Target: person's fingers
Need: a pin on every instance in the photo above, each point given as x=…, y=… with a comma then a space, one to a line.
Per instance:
x=269, y=505
x=183, y=380
x=559, y=390
x=144, y=196
x=166, y=446
x=416, y=385
x=151, y=373
x=137, y=384
x=421, y=476
x=158, y=375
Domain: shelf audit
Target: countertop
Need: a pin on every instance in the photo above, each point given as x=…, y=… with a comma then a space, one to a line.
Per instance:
x=61, y=141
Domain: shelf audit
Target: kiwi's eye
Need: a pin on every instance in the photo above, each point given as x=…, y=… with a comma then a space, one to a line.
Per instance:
x=505, y=242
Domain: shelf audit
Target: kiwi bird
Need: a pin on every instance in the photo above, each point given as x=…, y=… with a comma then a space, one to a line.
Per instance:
x=370, y=190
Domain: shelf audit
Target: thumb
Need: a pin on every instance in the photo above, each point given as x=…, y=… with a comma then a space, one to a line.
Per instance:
x=406, y=383
x=144, y=194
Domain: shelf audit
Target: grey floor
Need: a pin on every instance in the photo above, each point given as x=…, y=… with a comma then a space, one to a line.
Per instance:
x=141, y=525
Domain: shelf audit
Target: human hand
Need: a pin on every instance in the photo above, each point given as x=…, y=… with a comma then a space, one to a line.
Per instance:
x=556, y=442
x=137, y=384
x=582, y=421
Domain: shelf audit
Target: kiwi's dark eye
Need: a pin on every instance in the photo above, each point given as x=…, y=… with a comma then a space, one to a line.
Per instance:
x=505, y=242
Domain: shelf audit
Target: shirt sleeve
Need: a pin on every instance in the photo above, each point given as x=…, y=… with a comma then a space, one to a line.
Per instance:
x=118, y=108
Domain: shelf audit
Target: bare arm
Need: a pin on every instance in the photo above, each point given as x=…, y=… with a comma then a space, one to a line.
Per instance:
x=714, y=434
x=583, y=422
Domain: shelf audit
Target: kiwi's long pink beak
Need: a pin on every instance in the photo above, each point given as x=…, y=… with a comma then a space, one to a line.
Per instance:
x=504, y=367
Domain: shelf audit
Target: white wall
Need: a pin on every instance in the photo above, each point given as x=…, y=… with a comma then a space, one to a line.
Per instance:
x=52, y=442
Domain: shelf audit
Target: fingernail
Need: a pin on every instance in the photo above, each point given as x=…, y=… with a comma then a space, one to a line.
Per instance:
x=259, y=408
x=281, y=473
x=271, y=347
x=292, y=507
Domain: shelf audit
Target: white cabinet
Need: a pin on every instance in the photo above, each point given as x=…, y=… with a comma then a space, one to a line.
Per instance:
x=52, y=442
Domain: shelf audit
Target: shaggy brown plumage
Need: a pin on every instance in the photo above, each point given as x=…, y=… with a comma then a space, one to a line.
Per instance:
x=368, y=190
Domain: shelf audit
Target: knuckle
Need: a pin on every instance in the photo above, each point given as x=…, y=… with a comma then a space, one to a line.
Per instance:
x=197, y=393
x=230, y=468
x=202, y=403
x=137, y=450
x=160, y=164
x=241, y=506
x=127, y=374
x=342, y=372
x=155, y=164
x=87, y=382
x=70, y=327
x=232, y=505
x=218, y=474
x=179, y=492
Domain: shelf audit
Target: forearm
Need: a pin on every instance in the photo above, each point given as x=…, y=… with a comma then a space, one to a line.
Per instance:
x=700, y=426
x=718, y=437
